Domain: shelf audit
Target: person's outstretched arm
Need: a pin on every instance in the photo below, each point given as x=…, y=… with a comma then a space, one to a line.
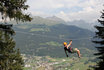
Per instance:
x=69, y=44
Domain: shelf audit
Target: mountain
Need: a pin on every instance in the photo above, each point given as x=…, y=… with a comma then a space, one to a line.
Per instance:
x=46, y=21
x=56, y=20
x=43, y=39
x=83, y=24
x=78, y=23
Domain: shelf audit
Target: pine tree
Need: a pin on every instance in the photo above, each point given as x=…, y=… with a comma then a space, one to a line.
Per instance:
x=100, y=42
x=13, y=9
x=10, y=59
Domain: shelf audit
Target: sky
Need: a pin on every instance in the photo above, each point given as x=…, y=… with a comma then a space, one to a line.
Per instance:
x=68, y=10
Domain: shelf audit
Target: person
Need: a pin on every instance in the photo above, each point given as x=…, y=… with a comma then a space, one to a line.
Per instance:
x=67, y=47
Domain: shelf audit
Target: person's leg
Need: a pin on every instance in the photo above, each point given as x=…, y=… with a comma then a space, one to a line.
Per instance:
x=78, y=52
x=65, y=51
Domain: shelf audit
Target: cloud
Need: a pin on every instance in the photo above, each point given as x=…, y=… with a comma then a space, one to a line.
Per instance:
x=44, y=4
x=87, y=14
x=69, y=10
x=90, y=12
x=40, y=13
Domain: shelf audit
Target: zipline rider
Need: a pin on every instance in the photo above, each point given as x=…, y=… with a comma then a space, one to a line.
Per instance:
x=70, y=49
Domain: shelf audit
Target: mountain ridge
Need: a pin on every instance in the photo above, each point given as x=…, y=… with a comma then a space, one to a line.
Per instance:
x=50, y=21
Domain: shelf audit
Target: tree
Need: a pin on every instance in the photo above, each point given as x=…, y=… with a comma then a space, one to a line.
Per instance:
x=100, y=42
x=13, y=9
x=10, y=59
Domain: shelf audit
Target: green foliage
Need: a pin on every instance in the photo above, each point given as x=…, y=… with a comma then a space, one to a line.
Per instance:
x=100, y=43
x=13, y=9
x=10, y=59
x=51, y=44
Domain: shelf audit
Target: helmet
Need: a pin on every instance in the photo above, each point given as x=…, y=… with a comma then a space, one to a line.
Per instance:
x=65, y=43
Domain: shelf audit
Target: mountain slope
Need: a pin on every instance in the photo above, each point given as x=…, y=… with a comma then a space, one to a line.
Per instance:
x=42, y=40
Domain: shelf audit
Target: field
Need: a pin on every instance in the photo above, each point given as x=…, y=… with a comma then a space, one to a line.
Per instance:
x=49, y=63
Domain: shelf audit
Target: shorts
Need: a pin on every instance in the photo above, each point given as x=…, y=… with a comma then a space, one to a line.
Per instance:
x=72, y=50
